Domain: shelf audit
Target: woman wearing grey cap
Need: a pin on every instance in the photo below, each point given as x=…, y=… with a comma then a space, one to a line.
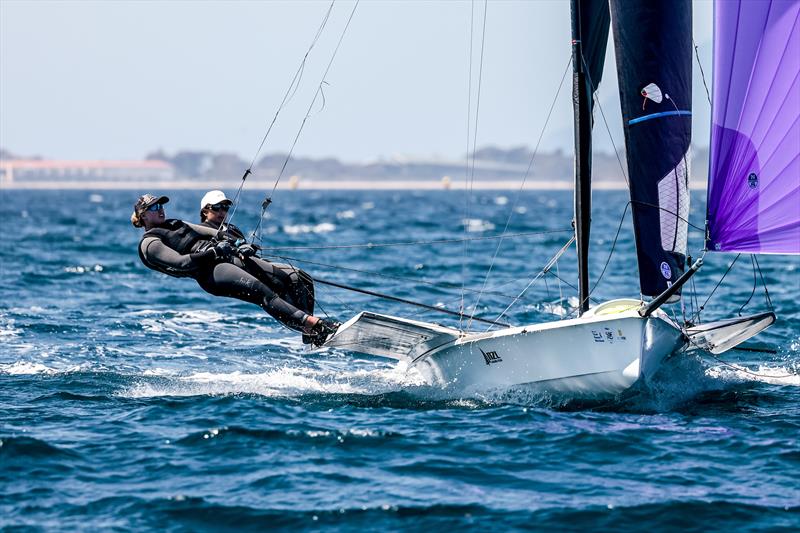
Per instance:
x=182, y=249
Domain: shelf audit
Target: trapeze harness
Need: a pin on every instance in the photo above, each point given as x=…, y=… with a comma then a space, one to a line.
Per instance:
x=182, y=249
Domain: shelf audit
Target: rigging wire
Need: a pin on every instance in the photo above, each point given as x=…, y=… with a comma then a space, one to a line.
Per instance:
x=700, y=309
x=596, y=91
x=522, y=184
x=290, y=91
x=764, y=283
x=465, y=250
x=702, y=74
x=470, y=169
x=440, y=286
x=610, y=253
x=413, y=243
x=545, y=270
x=755, y=286
x=268, y=199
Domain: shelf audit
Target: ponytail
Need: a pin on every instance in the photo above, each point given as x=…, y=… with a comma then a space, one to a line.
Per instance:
x=135, y=220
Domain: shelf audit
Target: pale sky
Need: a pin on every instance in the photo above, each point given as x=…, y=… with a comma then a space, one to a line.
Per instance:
x=118, y=79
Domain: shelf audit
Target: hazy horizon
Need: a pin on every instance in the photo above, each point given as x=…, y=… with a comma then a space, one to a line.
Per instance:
x=118, y=80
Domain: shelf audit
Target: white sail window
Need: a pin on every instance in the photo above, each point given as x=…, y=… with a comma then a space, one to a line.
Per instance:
x=673, y=199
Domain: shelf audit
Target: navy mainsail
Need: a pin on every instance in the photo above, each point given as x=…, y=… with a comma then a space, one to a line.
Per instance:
x=590, y=23
x=653, y=46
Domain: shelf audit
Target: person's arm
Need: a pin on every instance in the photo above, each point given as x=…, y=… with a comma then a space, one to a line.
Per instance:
x=160, y=254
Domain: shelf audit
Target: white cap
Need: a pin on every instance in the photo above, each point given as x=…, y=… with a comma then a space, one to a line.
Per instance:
x=214, y=197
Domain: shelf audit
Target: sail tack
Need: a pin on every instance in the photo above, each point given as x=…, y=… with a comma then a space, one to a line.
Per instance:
x=754, y=177
x=653, y=46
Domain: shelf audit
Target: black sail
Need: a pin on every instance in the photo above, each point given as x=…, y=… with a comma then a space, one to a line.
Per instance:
x=590, y=23
x=653, y=46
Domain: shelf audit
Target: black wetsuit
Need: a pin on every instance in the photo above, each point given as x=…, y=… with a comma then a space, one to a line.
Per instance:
x=230, y=231
x=183, y=249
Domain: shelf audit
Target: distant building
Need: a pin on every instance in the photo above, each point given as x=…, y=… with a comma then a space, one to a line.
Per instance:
x=31, y=172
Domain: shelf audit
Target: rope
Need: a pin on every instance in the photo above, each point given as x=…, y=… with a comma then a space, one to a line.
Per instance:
x=545, y=270
x=412, y=243
x=610, y=254
x=290, y=91
x=522, y=184
x=700, y=309
x=401, y=300
x=442, y=287
x=755, y=284
x=702, y=74
x=764, y=283
x=268, y=199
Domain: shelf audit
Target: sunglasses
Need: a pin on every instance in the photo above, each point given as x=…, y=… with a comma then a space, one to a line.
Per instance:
x=219, y=207
x=155, y=207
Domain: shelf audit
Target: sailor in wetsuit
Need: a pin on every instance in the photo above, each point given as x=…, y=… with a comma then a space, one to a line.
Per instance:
x=291, y=283
x=182, y=249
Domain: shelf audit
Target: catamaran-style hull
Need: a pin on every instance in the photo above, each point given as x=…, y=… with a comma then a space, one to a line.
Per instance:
x=587, y=357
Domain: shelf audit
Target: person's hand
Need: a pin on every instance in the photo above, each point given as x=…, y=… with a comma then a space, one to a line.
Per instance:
x=246, y=250
x=223, y=250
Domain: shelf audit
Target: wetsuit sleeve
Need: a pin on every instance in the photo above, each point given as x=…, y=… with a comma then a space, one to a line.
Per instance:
x=160, y=254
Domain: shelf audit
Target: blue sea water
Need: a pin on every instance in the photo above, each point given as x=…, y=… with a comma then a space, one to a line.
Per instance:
x=131, y=400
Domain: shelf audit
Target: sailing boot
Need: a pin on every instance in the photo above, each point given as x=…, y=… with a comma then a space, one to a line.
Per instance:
x=321, y=332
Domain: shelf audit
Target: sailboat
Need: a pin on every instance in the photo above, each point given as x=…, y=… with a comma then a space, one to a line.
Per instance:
x=753, y=201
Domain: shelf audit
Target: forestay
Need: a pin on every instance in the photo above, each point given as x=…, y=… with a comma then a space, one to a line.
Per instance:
x=754, y=179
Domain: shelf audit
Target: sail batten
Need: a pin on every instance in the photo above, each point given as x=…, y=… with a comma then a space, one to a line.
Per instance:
x=754, y=176
x=653, y=46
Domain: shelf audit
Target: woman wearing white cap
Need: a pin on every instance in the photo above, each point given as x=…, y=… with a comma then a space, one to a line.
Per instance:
x=183, y=249
x=214, y=210
x=293, y=284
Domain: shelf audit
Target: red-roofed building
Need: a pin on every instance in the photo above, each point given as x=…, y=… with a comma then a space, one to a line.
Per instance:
x=31, y=171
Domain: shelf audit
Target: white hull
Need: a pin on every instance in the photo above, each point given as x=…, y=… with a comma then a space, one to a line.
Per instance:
x=602, y=353
x=583, y=357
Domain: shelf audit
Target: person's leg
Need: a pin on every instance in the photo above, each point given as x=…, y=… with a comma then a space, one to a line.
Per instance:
x=231, y=281
x=290, y=283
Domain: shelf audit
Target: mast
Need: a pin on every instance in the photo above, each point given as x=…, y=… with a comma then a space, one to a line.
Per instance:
x=590, y=23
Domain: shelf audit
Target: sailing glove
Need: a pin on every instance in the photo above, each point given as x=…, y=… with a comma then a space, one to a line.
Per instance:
x=246, y=250
x=223, y=250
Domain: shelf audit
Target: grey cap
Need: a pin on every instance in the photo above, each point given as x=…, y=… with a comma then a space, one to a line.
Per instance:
x=146, y=200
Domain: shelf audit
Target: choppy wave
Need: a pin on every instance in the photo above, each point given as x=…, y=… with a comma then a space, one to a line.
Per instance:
x=131, y=400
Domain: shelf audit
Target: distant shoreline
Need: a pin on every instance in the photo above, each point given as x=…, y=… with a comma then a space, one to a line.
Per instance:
x=311, y=185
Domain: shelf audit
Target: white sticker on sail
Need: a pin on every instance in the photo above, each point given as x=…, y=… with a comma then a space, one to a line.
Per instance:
x=673, y=200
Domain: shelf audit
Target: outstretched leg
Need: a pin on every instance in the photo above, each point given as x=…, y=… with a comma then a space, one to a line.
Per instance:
x=226, y=279
x=292, y=284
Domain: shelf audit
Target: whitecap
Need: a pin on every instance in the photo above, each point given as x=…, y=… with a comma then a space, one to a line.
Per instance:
x=348, y=214
x=296, y=229
x=23, y=368
x=777, y=375
x=501, y=200
x=475, y=225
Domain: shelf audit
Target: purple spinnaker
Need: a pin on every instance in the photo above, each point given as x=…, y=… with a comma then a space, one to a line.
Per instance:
x=754, y=179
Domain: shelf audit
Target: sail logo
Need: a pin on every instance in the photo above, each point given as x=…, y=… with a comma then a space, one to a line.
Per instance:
x=491, y=357
x=666, y=271
x=752, y=180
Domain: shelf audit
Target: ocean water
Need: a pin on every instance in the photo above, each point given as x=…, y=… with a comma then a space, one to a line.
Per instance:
x=131, y=400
